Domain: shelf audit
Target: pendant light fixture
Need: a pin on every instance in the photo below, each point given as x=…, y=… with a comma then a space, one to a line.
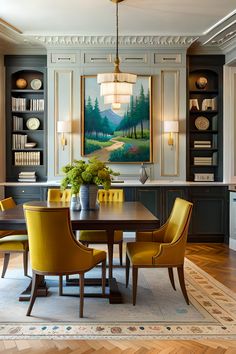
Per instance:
x=116, y=87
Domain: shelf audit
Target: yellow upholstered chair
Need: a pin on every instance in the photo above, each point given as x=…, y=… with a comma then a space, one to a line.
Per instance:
x=163, y=248
x=57, y=195
x=13, y=241
x=100, y=236
x=54, y=250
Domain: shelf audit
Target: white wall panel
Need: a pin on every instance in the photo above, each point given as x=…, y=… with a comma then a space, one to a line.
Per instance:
x=168, y=100
x=169, y=111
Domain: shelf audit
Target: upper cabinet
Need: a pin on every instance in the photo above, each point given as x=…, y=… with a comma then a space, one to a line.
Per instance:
x=26, y=118
x=205, y=118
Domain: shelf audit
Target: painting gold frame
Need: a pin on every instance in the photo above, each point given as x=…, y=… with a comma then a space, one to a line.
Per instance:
x=124, y=136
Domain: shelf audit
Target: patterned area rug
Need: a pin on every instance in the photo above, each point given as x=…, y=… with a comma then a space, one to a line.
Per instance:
x=160, y=312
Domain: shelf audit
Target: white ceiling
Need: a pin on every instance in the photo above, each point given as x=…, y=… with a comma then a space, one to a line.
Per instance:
x=97, y=17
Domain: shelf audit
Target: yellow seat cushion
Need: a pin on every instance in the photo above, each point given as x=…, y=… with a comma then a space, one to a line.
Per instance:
x=93, y=236
x=141, y=253
x=98, y=256
x=14, y=243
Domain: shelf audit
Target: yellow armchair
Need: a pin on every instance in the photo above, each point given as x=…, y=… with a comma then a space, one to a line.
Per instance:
x=163, y=248
x=100, y=236
x=57, y=195
x=13, y=241
x=54, y=250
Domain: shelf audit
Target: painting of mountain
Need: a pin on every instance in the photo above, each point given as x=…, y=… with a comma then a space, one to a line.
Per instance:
x=123, y=136
x=113, y=118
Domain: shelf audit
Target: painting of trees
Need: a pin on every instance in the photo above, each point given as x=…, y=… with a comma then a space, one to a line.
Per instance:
x=117, y=136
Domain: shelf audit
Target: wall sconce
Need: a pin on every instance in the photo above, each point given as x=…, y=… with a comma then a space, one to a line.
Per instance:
x=171, y=126
x=63, y=126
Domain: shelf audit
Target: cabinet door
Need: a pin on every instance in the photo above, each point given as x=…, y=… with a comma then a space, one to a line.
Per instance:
x=210, y=214
x=23, y=194
x=151, y=199
x=169, y=196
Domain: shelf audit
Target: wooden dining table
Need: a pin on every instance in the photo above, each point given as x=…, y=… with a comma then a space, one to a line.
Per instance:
x=126, y=216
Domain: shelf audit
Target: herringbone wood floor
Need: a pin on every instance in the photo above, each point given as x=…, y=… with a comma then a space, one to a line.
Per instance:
x=216, y=259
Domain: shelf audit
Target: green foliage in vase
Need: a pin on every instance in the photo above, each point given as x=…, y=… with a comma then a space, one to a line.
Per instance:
x=81, y=172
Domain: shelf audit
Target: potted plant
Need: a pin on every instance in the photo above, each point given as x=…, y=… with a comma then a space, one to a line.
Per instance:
x=84, y=177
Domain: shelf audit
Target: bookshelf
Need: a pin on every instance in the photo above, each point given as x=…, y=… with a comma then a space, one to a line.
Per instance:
x=205, y=118
x=26, y=117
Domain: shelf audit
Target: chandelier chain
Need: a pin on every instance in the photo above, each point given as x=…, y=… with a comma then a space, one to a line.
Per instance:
x=117, y=31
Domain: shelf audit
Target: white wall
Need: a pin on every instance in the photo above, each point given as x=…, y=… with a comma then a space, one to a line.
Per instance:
x=168, y=103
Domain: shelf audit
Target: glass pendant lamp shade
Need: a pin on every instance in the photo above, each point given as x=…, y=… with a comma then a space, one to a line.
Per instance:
x=116, y=87
x=116, y=98
x=116, y=77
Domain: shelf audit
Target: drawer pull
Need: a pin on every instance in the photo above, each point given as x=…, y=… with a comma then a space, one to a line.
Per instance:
x=23, y=191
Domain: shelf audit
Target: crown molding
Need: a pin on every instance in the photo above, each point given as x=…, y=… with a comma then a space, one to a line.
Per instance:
x=9, y=25
x=221, y=37
x=110, y=41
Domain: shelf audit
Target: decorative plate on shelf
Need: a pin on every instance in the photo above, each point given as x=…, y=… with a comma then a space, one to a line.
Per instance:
x=21, y=83
x=202, y=123
x=30, y=145
x=33, y=123
x=36, y=84
x=201, y=82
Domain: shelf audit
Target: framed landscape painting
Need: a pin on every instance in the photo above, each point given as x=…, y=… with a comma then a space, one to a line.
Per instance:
x=117, y=136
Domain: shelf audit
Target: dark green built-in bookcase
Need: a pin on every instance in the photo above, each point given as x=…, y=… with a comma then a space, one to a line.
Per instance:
x=205, y=118
x=26, y=98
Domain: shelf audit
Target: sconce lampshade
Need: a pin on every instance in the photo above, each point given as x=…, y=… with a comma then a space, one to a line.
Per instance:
x=64, y=126
x=171, y=126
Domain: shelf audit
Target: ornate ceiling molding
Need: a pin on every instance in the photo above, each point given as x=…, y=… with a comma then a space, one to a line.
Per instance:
x=221, y=36
x=109, y=41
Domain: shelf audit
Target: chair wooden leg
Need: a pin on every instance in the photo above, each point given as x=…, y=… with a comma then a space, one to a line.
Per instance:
x=127, y=266
x=180, y=270
x=60, y=285
x=5, y=264
x=81, y=285
x=103, y=277
x=135, y=282
x=120, y=252
x=171, y=276
x=36, y=278
x=25, y=263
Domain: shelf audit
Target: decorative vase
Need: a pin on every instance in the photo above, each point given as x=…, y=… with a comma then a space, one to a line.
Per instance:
x=75, y=202
x=88, y=196
x=143, y=174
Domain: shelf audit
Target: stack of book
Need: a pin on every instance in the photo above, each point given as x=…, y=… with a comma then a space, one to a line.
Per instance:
x=27, y=176
x=202, y=161
x=18, y=141
x=202, y=144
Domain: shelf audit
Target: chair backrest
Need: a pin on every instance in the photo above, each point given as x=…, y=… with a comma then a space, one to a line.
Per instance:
x=111, y=195
x=57, y=195
x=178, y=222
x=53, y=248
x=7, y=203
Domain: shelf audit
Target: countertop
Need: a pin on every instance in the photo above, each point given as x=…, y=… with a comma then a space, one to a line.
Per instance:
x=127, y=183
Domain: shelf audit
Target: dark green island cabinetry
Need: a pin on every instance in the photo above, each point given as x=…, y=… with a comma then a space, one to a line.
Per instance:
x=210, y=219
